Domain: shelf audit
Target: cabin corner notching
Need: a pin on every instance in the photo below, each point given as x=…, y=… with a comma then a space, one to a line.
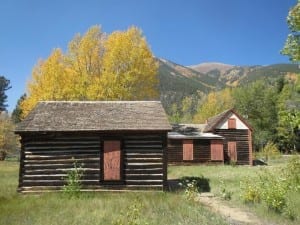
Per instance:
x=227, y=137
x=120, y=145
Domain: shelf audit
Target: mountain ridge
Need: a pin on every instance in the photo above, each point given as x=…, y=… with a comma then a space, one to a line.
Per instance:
x=178, y=81
x=205, y=67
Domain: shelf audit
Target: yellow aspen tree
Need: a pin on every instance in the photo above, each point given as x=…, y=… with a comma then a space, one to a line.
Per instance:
x=67, y=77
x=96, y=67
x=84, y=58
x=85, y=52
x=129, y=68
x=215, y=103
x=49, y=81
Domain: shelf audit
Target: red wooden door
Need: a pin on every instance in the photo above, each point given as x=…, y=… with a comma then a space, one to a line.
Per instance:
x=112, y=160
x=232, y=151
x=188, y=150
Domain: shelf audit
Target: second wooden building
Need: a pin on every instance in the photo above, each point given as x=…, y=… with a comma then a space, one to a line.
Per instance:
x=225, y=138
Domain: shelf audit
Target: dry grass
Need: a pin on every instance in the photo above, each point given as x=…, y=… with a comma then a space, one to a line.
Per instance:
x=96, y=208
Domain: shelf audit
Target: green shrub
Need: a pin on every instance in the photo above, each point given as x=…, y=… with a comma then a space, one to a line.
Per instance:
x=250, y=191
x=273, y=188
x=191, y=190
x=292, y=173
x=194, y=185
x=273, y=192
x=73, y=186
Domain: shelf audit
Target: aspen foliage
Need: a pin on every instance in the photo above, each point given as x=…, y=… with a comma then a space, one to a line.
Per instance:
x=130, y=71
x=48, y=81
x=96, y=66
x=215, y=103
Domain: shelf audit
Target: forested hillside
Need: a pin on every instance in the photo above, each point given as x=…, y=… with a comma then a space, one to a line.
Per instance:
x=178, y=82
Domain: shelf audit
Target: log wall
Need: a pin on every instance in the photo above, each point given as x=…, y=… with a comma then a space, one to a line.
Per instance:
x=243, y=145
x=175, y=150
x=144, y=161
x=201, y=151
x=47, y=158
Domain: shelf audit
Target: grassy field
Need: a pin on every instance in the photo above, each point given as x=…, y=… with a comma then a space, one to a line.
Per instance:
x=96, y=208
x=229, y=178
x=133, y=208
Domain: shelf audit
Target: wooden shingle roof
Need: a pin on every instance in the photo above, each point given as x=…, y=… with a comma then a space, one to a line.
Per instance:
x=95, y=116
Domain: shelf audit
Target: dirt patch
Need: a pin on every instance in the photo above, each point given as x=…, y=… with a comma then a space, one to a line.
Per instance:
x=234, y=215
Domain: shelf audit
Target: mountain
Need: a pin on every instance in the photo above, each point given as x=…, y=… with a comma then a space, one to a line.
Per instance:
x=178, y=81
x=207, y=67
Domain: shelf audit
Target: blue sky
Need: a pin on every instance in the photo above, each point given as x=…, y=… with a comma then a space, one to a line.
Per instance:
x=188, y=32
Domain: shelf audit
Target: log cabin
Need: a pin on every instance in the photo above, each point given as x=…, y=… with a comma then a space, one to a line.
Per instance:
x=225, y=138
x=119, y=145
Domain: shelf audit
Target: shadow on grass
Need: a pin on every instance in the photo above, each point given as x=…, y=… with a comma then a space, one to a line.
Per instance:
x=201, y=183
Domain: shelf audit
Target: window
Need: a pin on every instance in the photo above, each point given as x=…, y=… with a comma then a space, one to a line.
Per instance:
x=188, y=150
x=216, y=150
x=231, y=123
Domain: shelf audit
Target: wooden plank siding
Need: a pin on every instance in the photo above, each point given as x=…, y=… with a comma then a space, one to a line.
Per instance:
x=241, y=137
x=47, y=158
x=175, y=150
x=201, y=151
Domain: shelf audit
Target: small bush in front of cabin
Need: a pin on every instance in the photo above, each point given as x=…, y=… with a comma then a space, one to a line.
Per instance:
x=194, y=185
x=73, y=186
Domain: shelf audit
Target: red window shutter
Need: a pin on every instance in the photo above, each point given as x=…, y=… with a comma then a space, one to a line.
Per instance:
x=232, y=123
x=216, y=149
x=188, y=150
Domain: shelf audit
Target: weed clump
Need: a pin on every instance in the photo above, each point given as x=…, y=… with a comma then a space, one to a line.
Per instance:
x=194, y=185
x=133, y=215
x=73, y=180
